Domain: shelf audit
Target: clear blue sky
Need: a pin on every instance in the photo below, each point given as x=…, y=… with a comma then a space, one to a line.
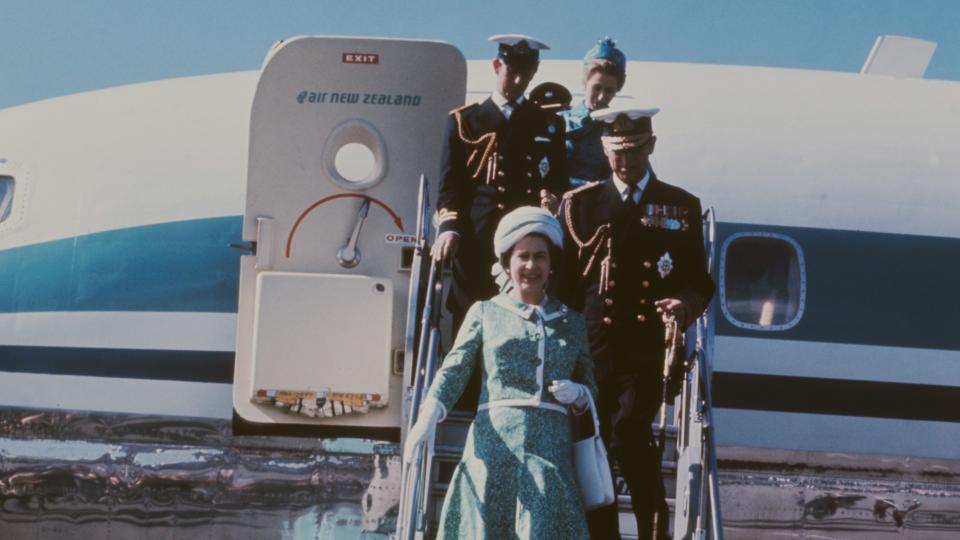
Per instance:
x=56, y=47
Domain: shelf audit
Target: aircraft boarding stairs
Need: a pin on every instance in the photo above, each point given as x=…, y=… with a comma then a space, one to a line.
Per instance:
x=688, y=437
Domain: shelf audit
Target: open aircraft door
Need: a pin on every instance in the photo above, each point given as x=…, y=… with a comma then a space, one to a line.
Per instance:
x=341, y=130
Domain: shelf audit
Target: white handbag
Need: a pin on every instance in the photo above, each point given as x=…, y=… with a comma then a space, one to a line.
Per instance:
x=593, y=469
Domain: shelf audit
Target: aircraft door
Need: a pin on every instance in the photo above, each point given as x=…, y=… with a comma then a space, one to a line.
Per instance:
x=340, y=132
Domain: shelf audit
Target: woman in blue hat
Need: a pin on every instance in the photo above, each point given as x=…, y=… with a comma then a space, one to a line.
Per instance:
x=516, y=478
x=604, y=72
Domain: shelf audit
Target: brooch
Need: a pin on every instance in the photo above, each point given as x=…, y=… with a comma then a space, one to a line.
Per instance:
x=665, y=265
x=544, y=167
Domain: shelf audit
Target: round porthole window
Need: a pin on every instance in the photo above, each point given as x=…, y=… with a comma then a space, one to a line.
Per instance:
x=354, y=162
x=355, y=156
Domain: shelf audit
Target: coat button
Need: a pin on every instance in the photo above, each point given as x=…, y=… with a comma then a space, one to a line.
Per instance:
x=608, y=301
x=613, y=264
x=529, y=157
x=499, y=157
x=499, y=173
x=612, y=283
x=607, y=321
x=647, y=264
x=640, y=317
x=529, y=192
x=500, y=206
x=501, y=189
x=643, y=301
x=644, y=284
x=529, y=175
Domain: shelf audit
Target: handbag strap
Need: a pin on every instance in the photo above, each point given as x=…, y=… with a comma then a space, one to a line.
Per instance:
x=593, y=412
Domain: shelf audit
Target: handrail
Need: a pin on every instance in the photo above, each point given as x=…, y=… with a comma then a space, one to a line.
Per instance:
x=420, y=250
x=708, y=446
x=698, y=515
x=709, y=497
x=414, y=496
x=709, y=236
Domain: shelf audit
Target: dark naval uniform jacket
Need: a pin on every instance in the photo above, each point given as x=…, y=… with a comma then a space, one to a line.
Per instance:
x=490, y=166
x=618, y=260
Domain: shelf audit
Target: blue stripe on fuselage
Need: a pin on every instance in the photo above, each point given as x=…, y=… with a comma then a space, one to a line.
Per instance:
x=862, y=287
x=190, y=366
x=177, y=266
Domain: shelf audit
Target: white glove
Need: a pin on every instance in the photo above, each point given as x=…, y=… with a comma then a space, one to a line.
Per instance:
x=431, y=412
x=568, y=392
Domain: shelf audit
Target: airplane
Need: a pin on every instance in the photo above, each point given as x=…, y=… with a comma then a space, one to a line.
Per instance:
x=126, y=386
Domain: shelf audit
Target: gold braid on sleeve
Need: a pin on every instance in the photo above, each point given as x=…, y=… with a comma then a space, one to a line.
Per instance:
x=484, y=150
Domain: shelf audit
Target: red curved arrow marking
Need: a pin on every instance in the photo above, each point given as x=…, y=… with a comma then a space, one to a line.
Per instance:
x=293, y=230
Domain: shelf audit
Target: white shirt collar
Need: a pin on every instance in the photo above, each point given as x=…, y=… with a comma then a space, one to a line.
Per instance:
x=623, y=187
x=504, y=104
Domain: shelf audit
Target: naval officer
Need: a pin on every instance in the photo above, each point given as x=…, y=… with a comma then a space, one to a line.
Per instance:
x=500, y=154
x=634, y=256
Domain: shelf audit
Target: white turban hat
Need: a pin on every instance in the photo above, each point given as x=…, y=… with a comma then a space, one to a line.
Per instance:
x=523, y=221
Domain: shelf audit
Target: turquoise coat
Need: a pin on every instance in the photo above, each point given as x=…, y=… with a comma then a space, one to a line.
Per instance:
x=516, y=477
x=585, y=158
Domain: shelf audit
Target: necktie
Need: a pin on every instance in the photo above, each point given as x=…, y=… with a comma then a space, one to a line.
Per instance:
x=630, y=201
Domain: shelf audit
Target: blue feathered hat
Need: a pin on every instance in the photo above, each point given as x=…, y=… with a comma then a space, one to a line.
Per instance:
x=606, y=49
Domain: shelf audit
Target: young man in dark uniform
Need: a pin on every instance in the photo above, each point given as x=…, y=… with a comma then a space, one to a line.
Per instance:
x=499, y=154
x=633, y=256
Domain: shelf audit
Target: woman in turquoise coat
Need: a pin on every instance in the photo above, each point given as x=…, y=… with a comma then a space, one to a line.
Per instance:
x=516, y=477
x=604, y=73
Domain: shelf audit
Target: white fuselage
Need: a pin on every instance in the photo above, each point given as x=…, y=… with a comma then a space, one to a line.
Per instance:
x=838, y=154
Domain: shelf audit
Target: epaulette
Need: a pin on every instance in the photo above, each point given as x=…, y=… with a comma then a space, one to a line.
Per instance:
x=483, y=149
x=581, y=189
x=465, y=107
